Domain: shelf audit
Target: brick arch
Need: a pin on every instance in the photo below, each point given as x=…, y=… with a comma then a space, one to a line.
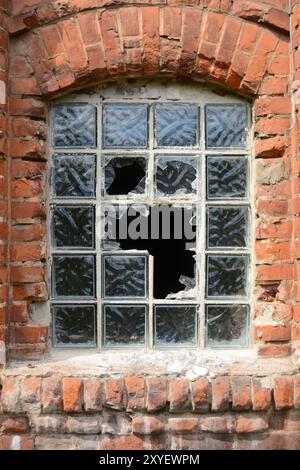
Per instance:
x=146, y=41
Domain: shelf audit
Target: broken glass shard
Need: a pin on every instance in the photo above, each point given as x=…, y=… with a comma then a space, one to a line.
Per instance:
x=73, y=227
x=226, y=126
x=125, y=126
x=125, y=176
x=74, y=176
x=226, y=177
x=74, y=325
x=227, y=276
x=227, y=227
x=176, y=125
x=125, y=276
x=227, y=326
x=73, y=276
x=124, y=325
x=176, y=176
x=175, y=325
x=74, y=125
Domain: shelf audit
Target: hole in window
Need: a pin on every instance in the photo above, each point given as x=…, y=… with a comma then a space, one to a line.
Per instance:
x=150, y=220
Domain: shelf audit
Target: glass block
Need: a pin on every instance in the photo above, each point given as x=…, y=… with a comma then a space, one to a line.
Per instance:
x=125, y=276
x=73, y=227
x=227, y=326
x=74, y=125
x=227, y=276
x=73, y=276
x=125, y=176
x=226, y=126
x=125, y=126
x=74, y=325
x=124, y=325
x=227, y=227
x=74, y=176
x=176, y=176
x=175, y=325
x=226, y=177
x=176, y=125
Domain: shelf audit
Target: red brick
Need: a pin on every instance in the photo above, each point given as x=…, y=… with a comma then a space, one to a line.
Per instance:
x=179, y=395
x=31, y=389
x=150, y=26
x=148, y=425
x=27, y=252
x=272, y=105
x=275, y=272
x=114, y=393
x=123, y=442
x=271, y=207
x=129, y=21
x=27, y=107
x=89, y=27
x=248, y=37
x=201, y=394
x=220, y=393
x=283, y=392
x=33, y=291
x=274, y=350
x=183, y=425
x=51, y=395
x=73, y=44
x=25, y=189
x=72, y=395
x=271, y=333
x=190, y=38
x=92, y=391
x=272, y=126
x=273, y=147
x=218, y=424
x=30, y=334
x=52, y=40
x=261, y=395
x=26, y=169
x=21, y=274
x=241, y=393
x=135, y=393
x=297, y=391
x=250, y=424
x=156, y=393
x=111, y=41
x=13, y=425
x=30, y=232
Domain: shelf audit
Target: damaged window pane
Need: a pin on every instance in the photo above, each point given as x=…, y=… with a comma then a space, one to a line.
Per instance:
x=227, y=276
x=175, y=324
x=226, y=177
x=125, y=176
x=73, y=276
x=73, y=227
x=176, y=176
x=125, y=126
x=176, y=125
x=74, y=176
x=226, y=126
x=74, y=125
x=74, y=325
x=227, y=227
x=125, y=276
x=227, y=326
x=124, y=325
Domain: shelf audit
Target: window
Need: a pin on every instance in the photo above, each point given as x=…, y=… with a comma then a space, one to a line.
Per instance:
x=150, y=220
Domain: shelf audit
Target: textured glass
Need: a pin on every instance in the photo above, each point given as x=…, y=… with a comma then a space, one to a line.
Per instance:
x=124, y=325
x=226, y=126
x=125, y=125
x=74, y=125
x=175, y=325
x=73, y=226
x=74, y=325
x=176, y=125
x=226, y=177
x=73, y=276
x=74, y=176
x=176, y=176
x=124, y=276
x=227, y=326
x=227, y=227
x=125, y=175
x=227, y=276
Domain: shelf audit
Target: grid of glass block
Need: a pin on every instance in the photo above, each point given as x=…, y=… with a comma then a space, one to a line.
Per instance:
x=195, y=155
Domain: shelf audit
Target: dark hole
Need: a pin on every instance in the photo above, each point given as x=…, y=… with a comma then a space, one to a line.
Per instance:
x=171, y=258
x=126, y=179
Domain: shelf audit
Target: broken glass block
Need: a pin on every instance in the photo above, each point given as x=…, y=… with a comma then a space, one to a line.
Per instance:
x=176, y=125
x=227, y=326
x=227, y=227
x=74, y=176
x=73, y=227
x=176, y=176
x=227, y=276
x=124, y=325
x=175, y=325
x=125, y=176
x=73, y=276
x=74, y=325
x=226, y=126
x=226, y=177
x=74, y=125
x=125, y=126
x=125, y=276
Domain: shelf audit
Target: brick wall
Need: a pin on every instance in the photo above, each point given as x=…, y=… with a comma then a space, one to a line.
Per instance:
x=241, y=46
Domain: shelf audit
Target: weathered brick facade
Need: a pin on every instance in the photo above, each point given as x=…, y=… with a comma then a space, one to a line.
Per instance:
x=54, y=47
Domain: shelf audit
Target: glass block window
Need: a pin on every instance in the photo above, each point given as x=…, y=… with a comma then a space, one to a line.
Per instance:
x=150, y=219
